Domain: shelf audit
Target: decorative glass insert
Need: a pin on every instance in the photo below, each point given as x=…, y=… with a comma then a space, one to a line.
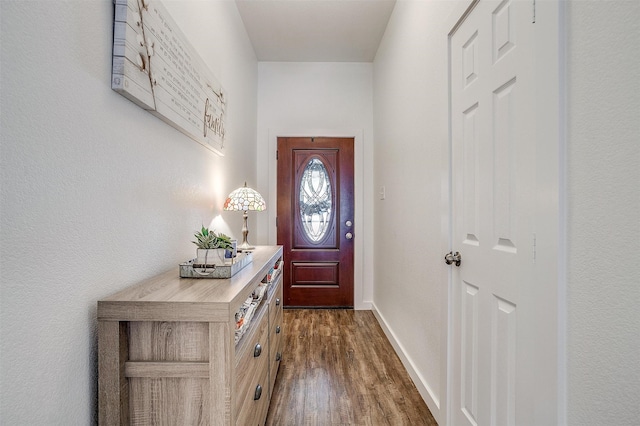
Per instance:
x=315, y=200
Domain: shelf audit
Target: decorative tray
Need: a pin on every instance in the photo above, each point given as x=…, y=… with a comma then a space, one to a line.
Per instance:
x=192, y=270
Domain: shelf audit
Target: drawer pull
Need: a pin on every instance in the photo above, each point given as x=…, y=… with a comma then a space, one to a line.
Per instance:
x=277, y=329
x=257, y=350
x=278, y=356
x=277, y=301
x=258, y=393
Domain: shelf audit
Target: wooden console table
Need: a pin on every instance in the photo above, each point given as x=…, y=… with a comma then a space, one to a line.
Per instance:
x=167, y=353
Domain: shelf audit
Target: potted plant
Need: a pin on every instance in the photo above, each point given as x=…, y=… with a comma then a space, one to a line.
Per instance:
x=211, y=247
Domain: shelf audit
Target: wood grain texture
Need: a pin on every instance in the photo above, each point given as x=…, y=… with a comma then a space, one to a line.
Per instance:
x=113, y=389
x=338, y=368
x=167, y=297
x=250, y=367
x=169, y=401
x=168, y=341
x=221, y=374
x=157, y=370
x=167, y=352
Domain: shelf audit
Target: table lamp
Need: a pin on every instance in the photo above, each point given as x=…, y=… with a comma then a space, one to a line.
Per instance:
x=244, y=199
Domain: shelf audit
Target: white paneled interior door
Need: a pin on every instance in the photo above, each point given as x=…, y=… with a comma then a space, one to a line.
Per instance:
x=496, y=349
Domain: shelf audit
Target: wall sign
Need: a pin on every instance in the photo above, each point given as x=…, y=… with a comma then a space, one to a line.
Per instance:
x=155, y=66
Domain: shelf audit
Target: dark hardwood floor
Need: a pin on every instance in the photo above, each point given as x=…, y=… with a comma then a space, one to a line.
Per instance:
x=338, y=368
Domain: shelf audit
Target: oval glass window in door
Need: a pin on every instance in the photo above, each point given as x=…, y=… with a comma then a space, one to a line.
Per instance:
x=316, y=203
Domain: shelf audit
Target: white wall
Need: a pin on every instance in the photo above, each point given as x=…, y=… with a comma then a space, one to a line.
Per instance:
x=320, y=99
x=97, y=193
x=602, y=202
x=411, y=162
x=603, y=223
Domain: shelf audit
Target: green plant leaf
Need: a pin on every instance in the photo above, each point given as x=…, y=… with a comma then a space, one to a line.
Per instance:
x=206, y=239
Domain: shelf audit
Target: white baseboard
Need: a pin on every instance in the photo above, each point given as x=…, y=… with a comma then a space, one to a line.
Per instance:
x=423, y=388
x=364, y=305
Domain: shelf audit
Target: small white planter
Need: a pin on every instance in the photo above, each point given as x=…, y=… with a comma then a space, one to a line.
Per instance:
x=211, y=257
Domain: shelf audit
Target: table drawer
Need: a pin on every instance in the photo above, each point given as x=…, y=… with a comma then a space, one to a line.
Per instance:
x=252, y=362
x=276, y=331
x=254, y=408
x=276, y=344
x=275, y=300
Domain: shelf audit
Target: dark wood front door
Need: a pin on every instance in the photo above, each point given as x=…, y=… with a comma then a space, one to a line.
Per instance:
x=315, y=220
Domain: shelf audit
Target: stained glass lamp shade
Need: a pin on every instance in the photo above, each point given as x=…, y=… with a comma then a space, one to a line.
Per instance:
x=244, y=199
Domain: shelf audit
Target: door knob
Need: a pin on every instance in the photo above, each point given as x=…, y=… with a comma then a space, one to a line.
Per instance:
x=349, y=235
x=452, y=257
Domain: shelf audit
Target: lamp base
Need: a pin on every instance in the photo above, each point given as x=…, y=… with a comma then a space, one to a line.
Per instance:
x=245, y=246
x=245, y=232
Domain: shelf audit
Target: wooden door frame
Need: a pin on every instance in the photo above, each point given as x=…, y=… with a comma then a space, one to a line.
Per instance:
x=552, y=140
x=363, y=293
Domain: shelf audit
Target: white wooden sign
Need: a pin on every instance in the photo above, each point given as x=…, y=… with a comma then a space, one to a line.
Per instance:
x=155, y=66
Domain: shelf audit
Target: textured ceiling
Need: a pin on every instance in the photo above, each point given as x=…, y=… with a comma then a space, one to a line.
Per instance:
x=315, y=30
